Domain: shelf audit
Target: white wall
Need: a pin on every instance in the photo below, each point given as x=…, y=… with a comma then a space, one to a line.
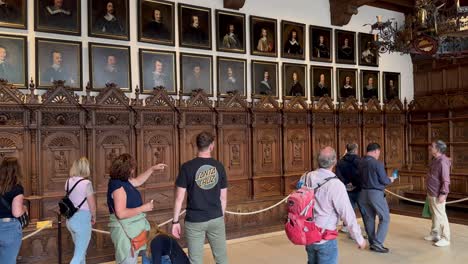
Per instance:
x=309, y=12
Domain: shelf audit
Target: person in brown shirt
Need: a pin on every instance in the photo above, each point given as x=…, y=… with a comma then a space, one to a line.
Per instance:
x=438, y=182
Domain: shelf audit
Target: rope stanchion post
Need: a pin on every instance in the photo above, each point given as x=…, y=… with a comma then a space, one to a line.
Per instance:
x=59, y=238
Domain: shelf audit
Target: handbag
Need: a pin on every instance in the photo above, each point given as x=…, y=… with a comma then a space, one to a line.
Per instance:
x=67, y=208
x=137, y=242
x=23, y=219
x=426, y=213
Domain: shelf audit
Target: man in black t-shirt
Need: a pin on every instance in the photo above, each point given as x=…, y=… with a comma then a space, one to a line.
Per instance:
x=204, y=180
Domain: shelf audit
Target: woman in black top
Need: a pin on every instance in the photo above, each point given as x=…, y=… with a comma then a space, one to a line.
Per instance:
x=163, y=249
x=11, y=207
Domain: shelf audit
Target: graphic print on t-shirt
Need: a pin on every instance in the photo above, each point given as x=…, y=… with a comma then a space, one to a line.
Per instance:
x=206, y=177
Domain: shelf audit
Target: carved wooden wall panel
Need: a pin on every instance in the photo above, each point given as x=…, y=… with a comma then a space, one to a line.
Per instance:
x=372, y=124
x=349, y=125
x=451, y=79
x=267, y=148
x=324, y=132
x=394, y=134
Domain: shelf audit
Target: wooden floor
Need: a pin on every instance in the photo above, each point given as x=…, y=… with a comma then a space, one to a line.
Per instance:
x=405, y=241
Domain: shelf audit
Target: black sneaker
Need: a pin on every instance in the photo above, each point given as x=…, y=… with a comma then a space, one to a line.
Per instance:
x=379, y=249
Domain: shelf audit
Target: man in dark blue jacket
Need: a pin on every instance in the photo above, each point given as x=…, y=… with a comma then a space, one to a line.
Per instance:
x=374, y=179
x=347, y=171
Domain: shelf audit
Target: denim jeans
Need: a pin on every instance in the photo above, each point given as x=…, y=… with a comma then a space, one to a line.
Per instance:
x=80, y=228
x=326, y=253
x=10, y=241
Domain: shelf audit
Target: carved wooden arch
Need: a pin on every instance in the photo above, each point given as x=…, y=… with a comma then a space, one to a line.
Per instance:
x=198, y=100
x=233, y=102
x=112, y=96
x=8, y=142
x=266, y=103
x=350, y=105
x=60, y=94
x=372, y=106
x=324, y=104
x=296, y=104
x=160, y=99
x=394, y=106
x=9, y=94
x=53, y=136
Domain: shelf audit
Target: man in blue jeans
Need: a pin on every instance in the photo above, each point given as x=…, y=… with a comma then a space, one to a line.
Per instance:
x=374, y=179
x=331, y=205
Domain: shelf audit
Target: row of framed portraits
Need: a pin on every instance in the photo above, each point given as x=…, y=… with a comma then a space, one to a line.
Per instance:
x=62, y=60
x=156, y=24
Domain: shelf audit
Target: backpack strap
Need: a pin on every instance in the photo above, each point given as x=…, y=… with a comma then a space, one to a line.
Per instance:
x=324, y=182
x=68, y=192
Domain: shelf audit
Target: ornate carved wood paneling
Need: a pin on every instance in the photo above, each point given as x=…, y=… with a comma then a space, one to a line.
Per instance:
x=394, y=134
x=158, y=142
x=372, y=124
x=296, y=141
x=234, y=139
x=196, y=115
x=324, y=132
x=267, y=145
x=349, y=125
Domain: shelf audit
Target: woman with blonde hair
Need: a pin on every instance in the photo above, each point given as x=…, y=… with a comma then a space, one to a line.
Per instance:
x=80, y=192
x=11, y=207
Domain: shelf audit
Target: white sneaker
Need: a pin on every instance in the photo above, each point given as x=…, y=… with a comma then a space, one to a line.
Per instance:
x=432, y=238
x=344, y=229
x=442, y=243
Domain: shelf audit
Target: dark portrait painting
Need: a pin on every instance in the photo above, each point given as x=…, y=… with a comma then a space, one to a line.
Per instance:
x=108, y=19
x=156, y=22
x=230, y=31
x=294, y=80
x=391, y=82
x=292, y=40
x=196, y=73
x=321, y=40
x=109, y=64
x=264, y=78
x=369, y=85
x=157, y=69
x=232, y=76
x=345, y=47
x=194, y=26
x=13, y=13
x=58, y=61
x=321, y=82
x=58, y=16
x=346, y=82
x=263, y=36
x=13, y=58
x=368, y=52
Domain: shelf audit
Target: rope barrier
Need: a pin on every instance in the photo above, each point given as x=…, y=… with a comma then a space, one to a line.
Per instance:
x=259, y=211
x=423, y=202
x=35, y=232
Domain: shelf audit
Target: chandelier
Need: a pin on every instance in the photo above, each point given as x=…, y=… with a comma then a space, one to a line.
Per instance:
x=437, y=28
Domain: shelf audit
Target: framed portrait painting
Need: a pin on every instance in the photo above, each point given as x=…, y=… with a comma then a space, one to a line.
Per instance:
x=232, y=76
x=264, y=78
x=194, y=26
x=156, y=22
x=346, y=83
x=369, y=85
x=392, y=84
x=13, y=60
x=58, y=61
x=294, y=80
x=13, y=14
x=321, y=82
x=157, y=69
x=292, y=40
x=230, y=32
x=368, y=53
x=58, y=16
x=345, y=47
x=108, y=19
x=263, y=36
x=196, y=73
x=109, y=64
x=321, y=40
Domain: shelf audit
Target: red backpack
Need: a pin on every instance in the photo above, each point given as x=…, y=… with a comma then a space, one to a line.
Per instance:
x=300, y=226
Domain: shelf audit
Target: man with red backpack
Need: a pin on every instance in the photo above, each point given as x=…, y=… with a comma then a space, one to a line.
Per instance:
x=329, y=203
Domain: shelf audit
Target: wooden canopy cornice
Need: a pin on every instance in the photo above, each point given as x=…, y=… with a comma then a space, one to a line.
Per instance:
x=342, y=11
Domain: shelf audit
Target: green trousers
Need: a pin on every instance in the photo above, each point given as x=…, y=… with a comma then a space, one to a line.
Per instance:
x=215, y=231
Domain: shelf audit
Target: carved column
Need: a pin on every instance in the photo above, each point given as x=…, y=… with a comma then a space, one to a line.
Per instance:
x=323, y=127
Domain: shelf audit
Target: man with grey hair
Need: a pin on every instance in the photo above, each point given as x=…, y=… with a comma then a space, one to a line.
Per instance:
x=331, y=205
x=438, y=183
